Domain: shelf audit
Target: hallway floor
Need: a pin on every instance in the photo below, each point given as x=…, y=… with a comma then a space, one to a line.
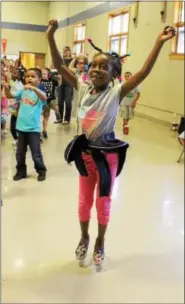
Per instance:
x=145, y=239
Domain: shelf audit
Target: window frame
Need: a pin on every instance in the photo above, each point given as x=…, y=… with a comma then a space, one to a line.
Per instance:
x=120, y=34
x=82, y=41
x=178, y=24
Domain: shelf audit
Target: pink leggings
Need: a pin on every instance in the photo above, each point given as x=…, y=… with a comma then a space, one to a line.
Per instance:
x=87, y=188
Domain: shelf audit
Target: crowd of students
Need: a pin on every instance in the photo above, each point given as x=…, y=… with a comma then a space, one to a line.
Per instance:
x=60, y=94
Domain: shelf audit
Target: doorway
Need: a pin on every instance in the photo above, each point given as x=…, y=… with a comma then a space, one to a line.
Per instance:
x=32, y=60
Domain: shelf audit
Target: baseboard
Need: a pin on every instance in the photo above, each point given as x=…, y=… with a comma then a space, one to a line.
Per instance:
x=153, y=119
x=156, y=115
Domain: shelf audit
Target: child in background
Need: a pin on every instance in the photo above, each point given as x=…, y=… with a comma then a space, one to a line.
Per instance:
x=50, y=85
x=98, y=112
x=29, y=124
x=79, y=66
x=65, y=92
x=16, y=86
x=128, y=104
x=4, y=105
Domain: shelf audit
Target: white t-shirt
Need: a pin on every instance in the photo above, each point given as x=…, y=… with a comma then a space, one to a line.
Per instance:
x=97, y=113
x=128, y=100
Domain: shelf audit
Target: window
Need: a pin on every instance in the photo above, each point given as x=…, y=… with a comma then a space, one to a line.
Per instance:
x=118, y=32
x=178, y=42
x=10, y=57
x=79, y=39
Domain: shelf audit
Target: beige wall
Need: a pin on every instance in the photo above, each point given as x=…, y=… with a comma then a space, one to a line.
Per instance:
x=163, y=92
x=25, y=12
x=164, y=88
x=78, y=7
x=24, y=41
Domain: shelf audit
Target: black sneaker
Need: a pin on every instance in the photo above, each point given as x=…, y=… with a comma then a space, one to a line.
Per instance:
x=41, y=177
x=19, y=176
x=58, y=119
x=45, y=134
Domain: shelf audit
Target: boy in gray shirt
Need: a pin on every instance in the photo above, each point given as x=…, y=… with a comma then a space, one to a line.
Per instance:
x=128, y=104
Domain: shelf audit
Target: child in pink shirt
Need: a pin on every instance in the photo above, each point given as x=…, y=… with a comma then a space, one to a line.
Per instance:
x=4, y=106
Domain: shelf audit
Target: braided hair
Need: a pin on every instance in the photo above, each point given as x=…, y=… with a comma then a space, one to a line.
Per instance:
x=113, y=58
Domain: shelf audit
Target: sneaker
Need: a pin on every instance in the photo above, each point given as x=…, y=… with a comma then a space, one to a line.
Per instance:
x=45, y=134
x=126, y=130
x=98, y=256
x=14, y=143
x=58, y=121
x=81, y=250
x=18, y=176
x=66, y=122
x=41, y=176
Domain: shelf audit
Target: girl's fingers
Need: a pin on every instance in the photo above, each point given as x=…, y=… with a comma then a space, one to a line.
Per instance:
x=168, y=28
x=53, y=22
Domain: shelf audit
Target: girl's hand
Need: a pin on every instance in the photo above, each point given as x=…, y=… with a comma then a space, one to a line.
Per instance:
x=52, y=27
x=28, y=87
x=168, y=33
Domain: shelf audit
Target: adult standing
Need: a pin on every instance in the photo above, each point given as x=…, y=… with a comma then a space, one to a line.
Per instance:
x=65, y=91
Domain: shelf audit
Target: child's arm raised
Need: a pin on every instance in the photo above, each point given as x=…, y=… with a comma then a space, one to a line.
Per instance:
x=72, y=65
x=165, y=35
x=7, y=91
x=56, y=57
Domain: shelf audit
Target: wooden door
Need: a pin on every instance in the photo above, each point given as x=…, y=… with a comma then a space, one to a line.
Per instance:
x=40, y=60
x=27, y=60
x=32, y=60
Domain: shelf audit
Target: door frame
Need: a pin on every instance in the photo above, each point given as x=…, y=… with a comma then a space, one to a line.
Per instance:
x=36, y=53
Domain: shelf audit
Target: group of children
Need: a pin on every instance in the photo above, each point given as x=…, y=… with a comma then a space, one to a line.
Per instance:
x=26, y=96
x=56, y=98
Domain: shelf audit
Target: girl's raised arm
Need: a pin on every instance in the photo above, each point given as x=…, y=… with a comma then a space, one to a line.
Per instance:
x=56, y=57
x=165, y=35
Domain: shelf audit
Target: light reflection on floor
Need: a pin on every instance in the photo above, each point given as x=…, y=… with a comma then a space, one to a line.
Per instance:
x=145, y=240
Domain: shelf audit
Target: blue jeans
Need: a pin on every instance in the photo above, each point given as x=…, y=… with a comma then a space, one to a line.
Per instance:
x=31, y=139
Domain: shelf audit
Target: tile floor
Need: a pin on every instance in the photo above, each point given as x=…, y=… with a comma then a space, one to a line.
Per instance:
x=145, y=240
